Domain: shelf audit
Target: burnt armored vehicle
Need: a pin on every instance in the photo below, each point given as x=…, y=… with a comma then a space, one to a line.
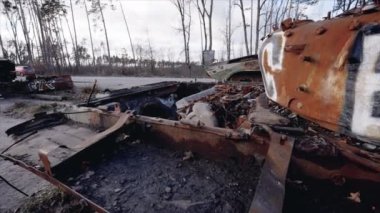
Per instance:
x=237, y=69
x=328, y=71
x=324, y=72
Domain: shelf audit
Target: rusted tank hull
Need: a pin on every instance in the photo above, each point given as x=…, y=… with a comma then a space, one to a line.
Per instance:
x=327, y=71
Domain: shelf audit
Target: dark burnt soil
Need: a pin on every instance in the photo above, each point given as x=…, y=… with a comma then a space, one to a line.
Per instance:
x=140, y=177
x=304, y=194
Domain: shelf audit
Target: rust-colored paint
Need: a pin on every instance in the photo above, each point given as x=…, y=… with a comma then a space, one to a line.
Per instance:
x=305, y=67
x=45, y=161
x=212, y=142
x=337, y=175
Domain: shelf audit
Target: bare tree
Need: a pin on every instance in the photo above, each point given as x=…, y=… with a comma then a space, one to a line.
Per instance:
x=251, y=29
x=260, y=5
x=5, y=52
x=129, y=33
x=345, y=5
x=209, y=16
x=40, y=29
x=152, y=61
x=228, y=34
x=139, y=54
x=300, y=6
x=51, y=11
x=90, y=32
x=202, y=13
x=67, y=54
x=70, y=33
x=201, y=36
x=59, y=42
x=228, y=31
x=10, y=11
x=36, y=32
x=183, y=8
x=97, y=8
x=205, y=9
x=271, y=13
x=105, y=31
x=240, y=4
x=278, y=13
x=77, y=62
x=25, y=30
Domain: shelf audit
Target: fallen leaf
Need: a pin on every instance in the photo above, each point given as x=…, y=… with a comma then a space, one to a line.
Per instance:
x=188, y=155
x=355, y=196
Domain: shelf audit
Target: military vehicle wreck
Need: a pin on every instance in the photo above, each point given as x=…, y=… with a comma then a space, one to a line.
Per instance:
x=32, y=83
x=238, y=69
x=324, y=72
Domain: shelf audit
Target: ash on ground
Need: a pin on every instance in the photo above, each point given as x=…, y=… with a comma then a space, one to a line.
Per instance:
x=141, y=177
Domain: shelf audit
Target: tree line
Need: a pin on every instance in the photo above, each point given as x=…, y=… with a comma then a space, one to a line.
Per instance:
x=268, y=17
x=43, y=43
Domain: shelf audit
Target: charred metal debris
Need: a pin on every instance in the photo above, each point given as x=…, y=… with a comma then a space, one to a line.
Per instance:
x=317, y=110
x=14, y=81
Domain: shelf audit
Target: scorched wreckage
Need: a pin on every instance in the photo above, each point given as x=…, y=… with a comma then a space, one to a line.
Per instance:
x=325, y=72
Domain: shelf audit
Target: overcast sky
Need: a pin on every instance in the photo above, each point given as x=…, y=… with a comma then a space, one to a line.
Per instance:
x=157, y=21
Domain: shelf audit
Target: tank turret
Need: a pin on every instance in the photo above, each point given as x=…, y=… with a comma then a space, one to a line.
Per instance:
x=328, y=71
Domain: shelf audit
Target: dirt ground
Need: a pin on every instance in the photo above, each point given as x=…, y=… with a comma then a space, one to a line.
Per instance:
x=120, y=82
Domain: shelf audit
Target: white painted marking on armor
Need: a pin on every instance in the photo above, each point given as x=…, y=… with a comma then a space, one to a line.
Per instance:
x=367, y=83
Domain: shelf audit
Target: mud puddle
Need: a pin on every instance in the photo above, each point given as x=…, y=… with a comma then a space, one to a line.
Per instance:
x=141, y=177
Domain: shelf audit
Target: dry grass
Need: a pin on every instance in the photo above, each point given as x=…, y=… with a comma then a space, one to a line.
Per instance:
x=53, y=200
x=23, y=109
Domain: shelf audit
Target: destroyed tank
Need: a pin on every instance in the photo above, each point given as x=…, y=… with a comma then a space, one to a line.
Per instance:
x=328, y=71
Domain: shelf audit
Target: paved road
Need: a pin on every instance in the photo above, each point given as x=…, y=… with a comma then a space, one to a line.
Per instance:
x=125, y=82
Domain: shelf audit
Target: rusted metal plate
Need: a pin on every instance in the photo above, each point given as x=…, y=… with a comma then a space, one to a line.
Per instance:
x=270, y=191
x=328, y=72
x=62, y=142
x=212, y=142
x=51, y=159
